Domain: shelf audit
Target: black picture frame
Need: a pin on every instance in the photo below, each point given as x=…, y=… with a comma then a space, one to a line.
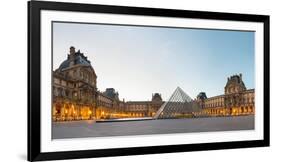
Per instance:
x=34, y=80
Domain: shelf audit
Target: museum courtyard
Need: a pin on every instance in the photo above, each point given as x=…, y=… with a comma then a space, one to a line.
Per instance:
x=91, y=128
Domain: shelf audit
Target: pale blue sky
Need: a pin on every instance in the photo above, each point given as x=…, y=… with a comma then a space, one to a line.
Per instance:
x=139, y=61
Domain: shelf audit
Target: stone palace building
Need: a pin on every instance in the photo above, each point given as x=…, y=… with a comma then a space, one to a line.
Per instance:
x=76, y=96
x=237, y=100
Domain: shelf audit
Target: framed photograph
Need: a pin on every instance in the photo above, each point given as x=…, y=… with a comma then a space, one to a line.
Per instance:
x=116, y=80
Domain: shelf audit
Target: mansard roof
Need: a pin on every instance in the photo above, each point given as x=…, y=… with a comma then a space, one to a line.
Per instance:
x=156, y=97
x=235, y=80
x=79, y=59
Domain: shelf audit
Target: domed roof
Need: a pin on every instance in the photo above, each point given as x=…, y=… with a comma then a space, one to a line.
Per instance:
x=110, y=92
x=235, y=80
x=77, y=58
x=202, y=96
x=156, y=97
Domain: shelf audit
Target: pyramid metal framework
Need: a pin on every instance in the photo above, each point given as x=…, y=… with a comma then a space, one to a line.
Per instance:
x=179, y=104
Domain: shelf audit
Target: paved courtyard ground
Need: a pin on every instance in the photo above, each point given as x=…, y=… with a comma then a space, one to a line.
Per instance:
x=78, y=129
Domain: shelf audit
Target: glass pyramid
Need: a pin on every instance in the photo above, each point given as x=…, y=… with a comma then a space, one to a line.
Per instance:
x=179, y=105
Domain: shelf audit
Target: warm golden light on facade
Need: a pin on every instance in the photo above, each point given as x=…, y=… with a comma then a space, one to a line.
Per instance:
x=76, y=97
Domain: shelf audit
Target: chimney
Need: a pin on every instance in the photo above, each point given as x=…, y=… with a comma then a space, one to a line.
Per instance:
x=72, y=50
x=72, y=55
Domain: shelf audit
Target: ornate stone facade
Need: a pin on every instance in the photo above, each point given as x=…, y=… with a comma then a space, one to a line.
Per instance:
x=76, y=96
x=237, y=100
x=144, y=108
x=112, y=107
x=74, y=88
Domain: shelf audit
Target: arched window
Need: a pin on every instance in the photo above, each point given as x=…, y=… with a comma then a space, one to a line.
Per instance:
x=248, y=110
x=74, y=73
x=63, y=92
x=67, y=93
x=59, y=92
x=55, y=91
x=74, y=93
